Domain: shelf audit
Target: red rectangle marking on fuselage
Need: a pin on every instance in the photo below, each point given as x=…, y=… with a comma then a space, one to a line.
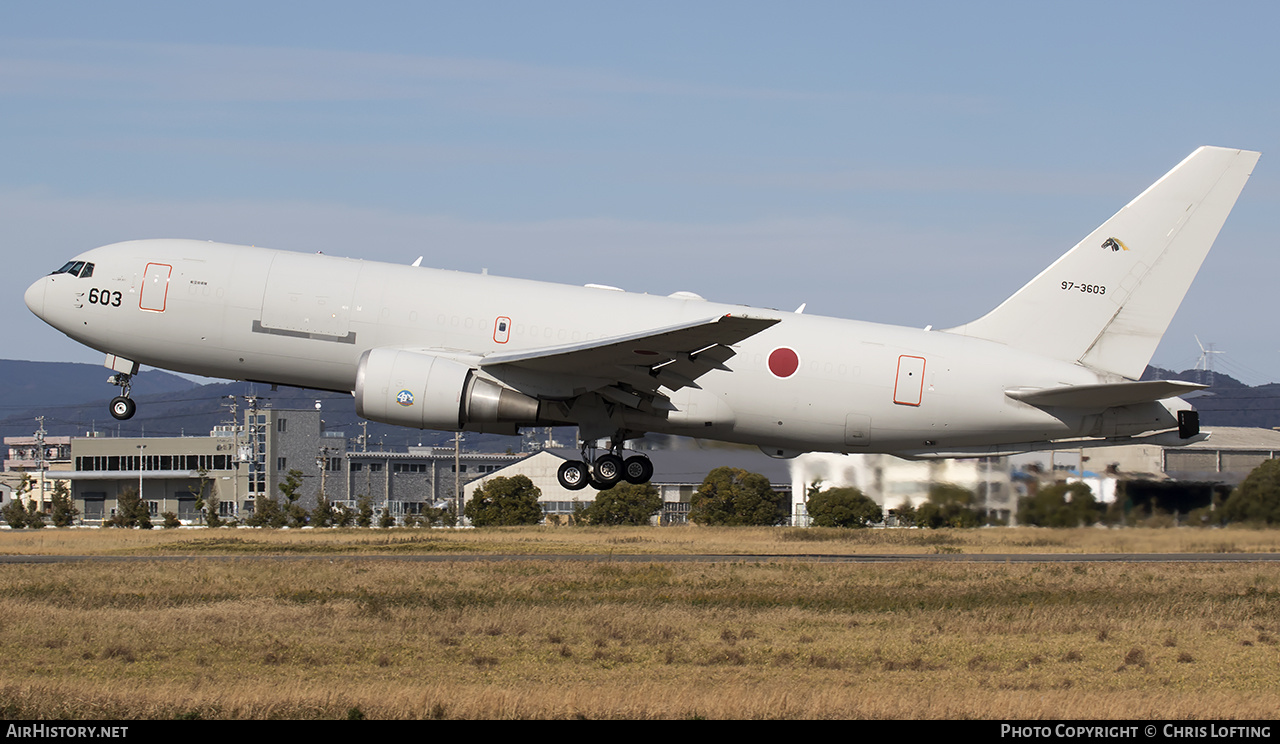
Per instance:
x=908, y=390
x=155, y=287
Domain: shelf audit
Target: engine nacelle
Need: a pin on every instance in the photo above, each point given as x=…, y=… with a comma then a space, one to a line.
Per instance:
x=410, y=388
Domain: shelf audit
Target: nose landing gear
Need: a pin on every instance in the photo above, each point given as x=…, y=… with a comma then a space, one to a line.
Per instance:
x=122, y=406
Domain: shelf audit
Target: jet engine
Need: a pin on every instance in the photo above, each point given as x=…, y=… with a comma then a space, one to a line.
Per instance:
x=411, y=388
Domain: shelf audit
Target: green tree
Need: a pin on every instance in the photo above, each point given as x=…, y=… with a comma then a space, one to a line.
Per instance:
x=15, y=513
x=735, y=497
x=503, y=501
x=949, y=505
x=624, y=504
x=1060, y=505
x=131, y=511
x=343, y=516
x=35, y=517
x=64, y=511
x=578, y=517
x=843, y=507
x=267, y=513
x=323, y=515
x=292, y=491
x=387, y=519
x=1257, y=498
x=207, y=500
x=171, y=520
x=449, y=515
x=364, y=511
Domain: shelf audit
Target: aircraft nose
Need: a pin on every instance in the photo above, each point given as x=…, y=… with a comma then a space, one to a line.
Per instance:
x=35, y=297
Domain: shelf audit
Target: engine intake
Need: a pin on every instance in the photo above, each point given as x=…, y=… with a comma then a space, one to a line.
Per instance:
x=410, y=388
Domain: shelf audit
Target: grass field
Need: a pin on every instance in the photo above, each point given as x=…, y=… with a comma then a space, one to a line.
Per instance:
x=634, y=541
x=785, y=638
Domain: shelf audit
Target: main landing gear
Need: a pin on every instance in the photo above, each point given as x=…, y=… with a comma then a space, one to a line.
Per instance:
x=607, y=471
x=122, y=406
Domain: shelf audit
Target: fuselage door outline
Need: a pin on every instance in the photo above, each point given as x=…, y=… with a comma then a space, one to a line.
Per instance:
x=908, y=390
x=155, y=287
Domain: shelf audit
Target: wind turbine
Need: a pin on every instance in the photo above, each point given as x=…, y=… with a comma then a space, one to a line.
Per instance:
x=1205, y=363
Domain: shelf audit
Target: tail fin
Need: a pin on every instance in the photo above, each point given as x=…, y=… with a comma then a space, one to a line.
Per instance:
x=1107, y=301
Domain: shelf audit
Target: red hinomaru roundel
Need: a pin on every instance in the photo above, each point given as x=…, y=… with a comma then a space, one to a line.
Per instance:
x=783, y=362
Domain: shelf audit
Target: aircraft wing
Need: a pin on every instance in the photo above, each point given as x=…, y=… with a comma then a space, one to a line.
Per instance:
x=1105, y=395
x=672, y=357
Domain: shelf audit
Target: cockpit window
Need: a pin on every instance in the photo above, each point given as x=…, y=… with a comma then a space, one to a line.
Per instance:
x=81, y=269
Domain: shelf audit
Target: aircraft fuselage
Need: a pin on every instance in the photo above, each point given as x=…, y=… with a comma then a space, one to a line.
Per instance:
x=808, y=383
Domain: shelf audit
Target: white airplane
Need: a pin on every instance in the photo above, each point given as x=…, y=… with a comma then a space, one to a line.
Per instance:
x=1053, y=366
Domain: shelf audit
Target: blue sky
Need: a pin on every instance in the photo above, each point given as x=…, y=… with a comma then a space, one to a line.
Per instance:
x=910, y=163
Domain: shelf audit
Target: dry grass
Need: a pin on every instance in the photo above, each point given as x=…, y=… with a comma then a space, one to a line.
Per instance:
x=636, y=541
x=324, y=638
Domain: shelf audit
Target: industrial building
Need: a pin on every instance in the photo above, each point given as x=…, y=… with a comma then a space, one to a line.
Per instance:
x=43, y=460
x=235, y=464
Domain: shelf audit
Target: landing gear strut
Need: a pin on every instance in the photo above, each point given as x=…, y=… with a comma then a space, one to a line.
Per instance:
x=606, y=471
x=122, y=406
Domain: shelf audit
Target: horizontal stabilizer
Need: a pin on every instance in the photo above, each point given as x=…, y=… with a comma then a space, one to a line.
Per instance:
x=1106, y=395
x=1159, y=439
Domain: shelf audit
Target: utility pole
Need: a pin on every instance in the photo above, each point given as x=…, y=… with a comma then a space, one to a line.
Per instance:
x=40, y=460
x=235, y=454
x=142, y=451
x=322, y=461
x=256, y=440
x=457, y=477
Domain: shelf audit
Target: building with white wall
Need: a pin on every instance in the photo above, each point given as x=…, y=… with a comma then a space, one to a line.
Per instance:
x=893, y=482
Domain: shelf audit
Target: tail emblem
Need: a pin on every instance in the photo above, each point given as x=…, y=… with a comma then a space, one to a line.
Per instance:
x=1115, y=245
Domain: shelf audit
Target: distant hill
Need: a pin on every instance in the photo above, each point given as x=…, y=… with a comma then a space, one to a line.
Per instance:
x=1227, y=402
x=34, y=384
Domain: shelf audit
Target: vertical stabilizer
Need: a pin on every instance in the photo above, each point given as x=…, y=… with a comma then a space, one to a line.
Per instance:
x=1107, y=301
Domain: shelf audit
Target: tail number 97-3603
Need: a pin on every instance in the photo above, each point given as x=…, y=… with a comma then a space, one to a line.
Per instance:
x=1084, y=288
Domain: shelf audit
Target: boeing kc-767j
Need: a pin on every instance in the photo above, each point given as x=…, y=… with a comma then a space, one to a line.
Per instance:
x=1055, y=365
